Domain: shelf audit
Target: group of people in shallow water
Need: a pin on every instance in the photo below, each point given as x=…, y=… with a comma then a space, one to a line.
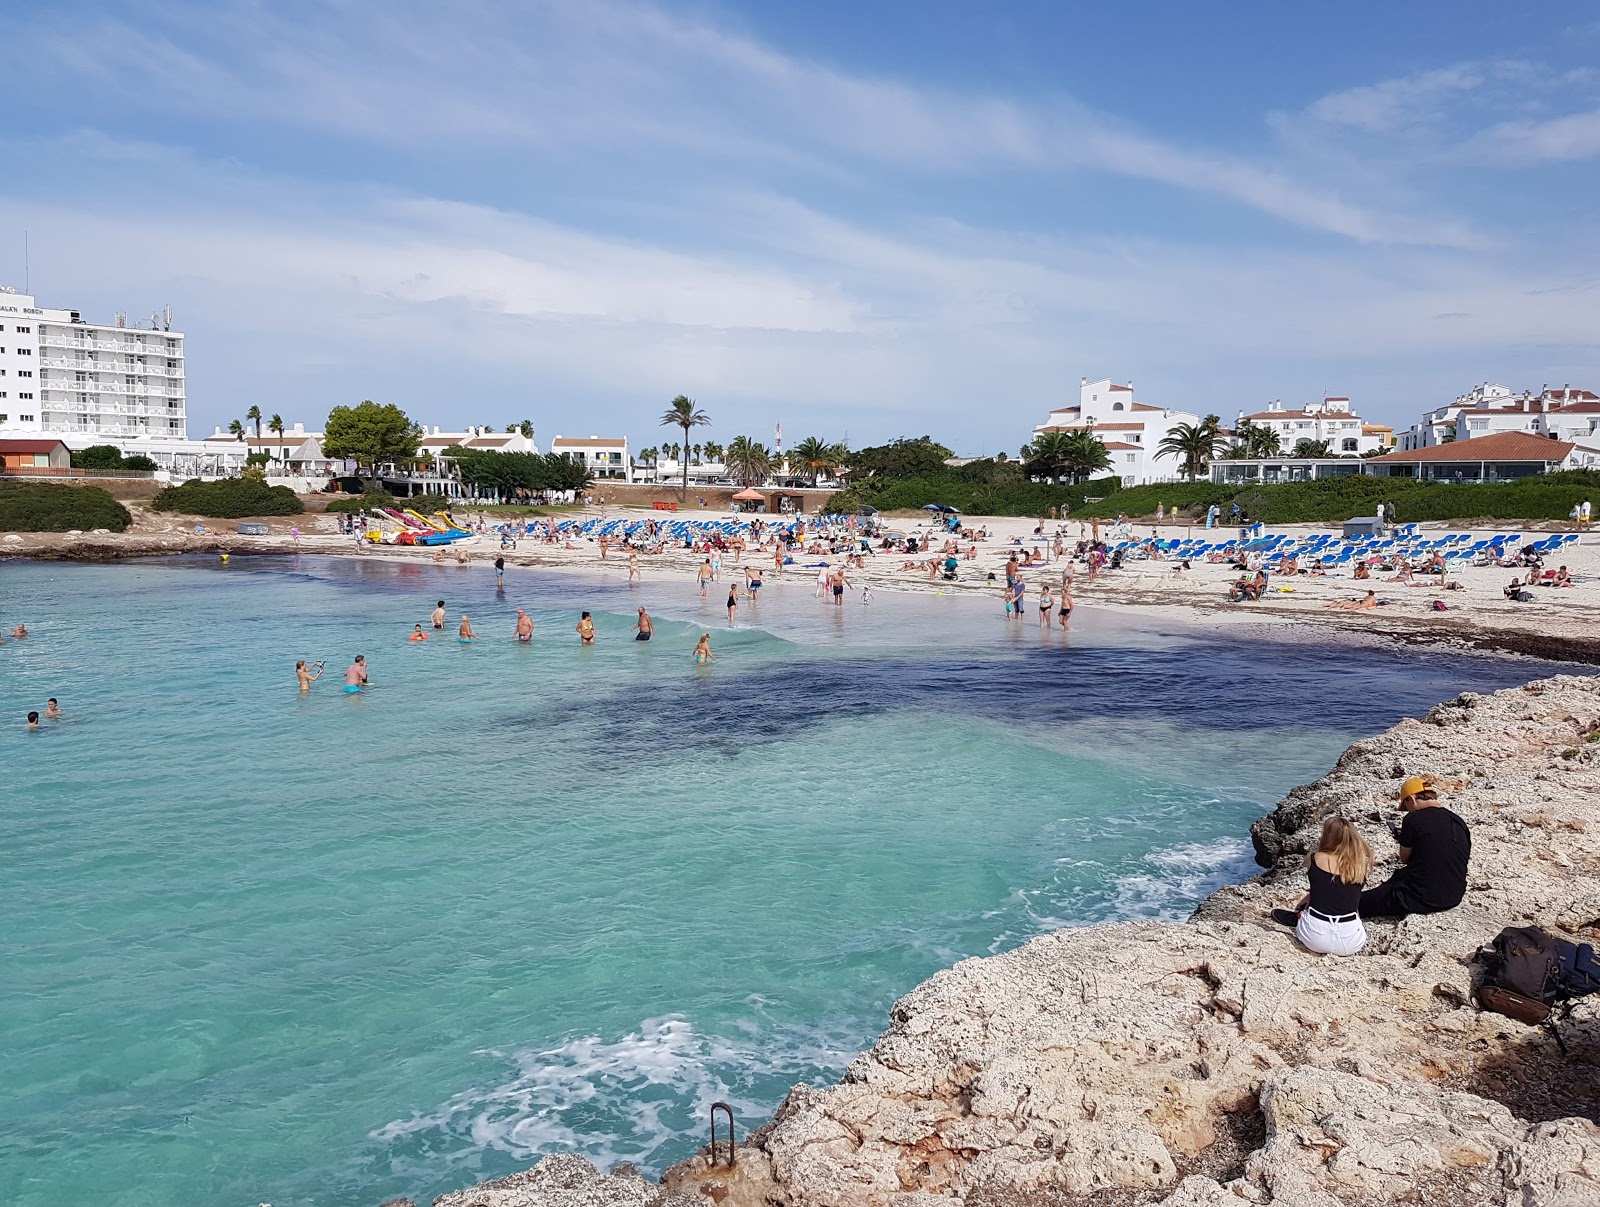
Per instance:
x=1435, y=849
x=355, y=676
x=52, y=710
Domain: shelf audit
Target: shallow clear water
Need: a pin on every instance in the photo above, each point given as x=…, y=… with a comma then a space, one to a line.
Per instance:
x=324, y=950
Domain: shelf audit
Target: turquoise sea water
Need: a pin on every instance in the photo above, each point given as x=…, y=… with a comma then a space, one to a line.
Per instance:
x=259, y=947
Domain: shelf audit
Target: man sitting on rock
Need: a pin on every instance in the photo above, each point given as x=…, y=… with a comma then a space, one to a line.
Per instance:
x=1435, y=846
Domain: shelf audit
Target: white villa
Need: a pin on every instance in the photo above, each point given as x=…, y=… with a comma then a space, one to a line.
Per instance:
x=1330, y=420
x=605, y=456
x=1561, y=412
x=1130, y=430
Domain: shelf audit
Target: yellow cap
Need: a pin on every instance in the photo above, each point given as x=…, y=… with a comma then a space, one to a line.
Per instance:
x=1416, y=784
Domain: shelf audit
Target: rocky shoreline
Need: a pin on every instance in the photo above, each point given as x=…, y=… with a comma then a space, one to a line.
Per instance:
x=1215, y=1063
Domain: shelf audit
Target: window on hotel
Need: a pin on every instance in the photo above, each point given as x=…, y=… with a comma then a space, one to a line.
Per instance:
x=24, y=330
x=24, y=351
x=22, y=395
x=24, y=372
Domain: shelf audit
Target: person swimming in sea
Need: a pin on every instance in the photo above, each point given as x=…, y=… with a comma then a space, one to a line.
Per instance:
x=438, y=616
x=307, y=675
x=702, y=650
x=52, y=708
x=33, y=720
x=20, y=631
x=644, y=627
x=465, y=632
x=355, y=675
x=586, y=630
x=417, y=634
x=524, y=627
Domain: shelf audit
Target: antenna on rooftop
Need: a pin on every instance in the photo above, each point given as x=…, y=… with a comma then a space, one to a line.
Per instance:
x=166, y=318
x=27, y=274
x=122, y=318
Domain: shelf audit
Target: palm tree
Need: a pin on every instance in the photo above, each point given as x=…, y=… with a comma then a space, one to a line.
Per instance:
x=747, y=461
x=681, y=413
x=713, y=452
x=1193, y=443
x=695, y=451
x=812, y=458
x=1083, y=454
x=236, y=429
x=275, y=426
x=1312, y=448
x=254, y=415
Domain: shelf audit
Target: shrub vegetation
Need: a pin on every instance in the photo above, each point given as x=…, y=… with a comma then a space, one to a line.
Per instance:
x=228, y=499
x=52, y=507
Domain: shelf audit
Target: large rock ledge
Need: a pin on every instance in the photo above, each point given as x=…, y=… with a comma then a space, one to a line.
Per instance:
x=1216, y=1062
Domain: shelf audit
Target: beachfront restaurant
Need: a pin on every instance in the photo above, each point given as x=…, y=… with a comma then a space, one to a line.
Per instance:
x=1501, y=457
x=1269, y=471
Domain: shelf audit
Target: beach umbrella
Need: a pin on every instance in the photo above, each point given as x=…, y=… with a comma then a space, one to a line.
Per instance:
x=933, y=507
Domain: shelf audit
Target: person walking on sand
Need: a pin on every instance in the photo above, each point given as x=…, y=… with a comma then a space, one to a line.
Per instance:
x=705, y=574
x=438, y=616
x=586, y=630
x=633, y=565
x=644, y=626
x=307, y=675
x=465, y=632
x=524, y=627
x=355, y=675
x=1064, y=604
x=702, y=650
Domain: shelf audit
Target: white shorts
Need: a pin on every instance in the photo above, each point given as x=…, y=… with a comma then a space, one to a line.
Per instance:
x=1331, y=938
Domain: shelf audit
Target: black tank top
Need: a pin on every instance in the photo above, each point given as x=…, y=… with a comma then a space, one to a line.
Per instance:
x=1330, y=895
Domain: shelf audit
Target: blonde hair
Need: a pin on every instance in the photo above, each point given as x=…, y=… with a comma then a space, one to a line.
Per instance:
x=1352, y=857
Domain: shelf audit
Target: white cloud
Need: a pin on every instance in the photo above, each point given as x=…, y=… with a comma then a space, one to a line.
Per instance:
x=1575, y=136
x=616, y=78
x=1396, y=103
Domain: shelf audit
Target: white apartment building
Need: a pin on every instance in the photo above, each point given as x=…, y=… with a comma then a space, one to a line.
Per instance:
x=435, y=442
x=1330, y=420
x=1564, y=412
x=69, y=378
x=605, y=457
x=1130, y=430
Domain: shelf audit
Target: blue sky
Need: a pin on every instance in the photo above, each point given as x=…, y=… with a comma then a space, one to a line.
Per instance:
x=863, y=220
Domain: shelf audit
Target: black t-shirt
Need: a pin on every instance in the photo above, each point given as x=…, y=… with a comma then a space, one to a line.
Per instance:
x=1440, y=846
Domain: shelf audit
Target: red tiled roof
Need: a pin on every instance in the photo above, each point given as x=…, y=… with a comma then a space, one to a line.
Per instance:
x=1578, y=408
x=1127, y=388
x=1144, y=406
x=1304, y=415
x=1120, y=444
x=29, y=446
x=1099, y=427
x=1501, y=446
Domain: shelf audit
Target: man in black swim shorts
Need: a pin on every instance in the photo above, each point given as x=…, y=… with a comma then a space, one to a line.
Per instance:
x=644, y=628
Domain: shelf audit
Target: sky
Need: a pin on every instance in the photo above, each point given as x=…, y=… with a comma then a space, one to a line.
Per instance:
x=862, y=220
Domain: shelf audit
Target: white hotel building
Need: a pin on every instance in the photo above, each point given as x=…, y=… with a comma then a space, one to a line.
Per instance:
x=88, y=383
x=1131, y=431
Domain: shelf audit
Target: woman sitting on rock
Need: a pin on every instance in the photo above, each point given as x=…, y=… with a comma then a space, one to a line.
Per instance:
x=1326, y=918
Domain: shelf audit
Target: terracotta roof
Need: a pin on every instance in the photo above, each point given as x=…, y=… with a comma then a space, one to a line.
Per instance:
x=30, y=446
x=1578, y=408
x=1342, y=415
x=1117, y=444
x=1127, y=388
x=1145, y=406
x=588, y=442
x=1098, y=427
x=1501, y=446
x=487, y=440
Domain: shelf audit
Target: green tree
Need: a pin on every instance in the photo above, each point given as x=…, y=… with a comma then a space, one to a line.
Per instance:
x=371, y=434
x=811, y=458
x=236, y=429
x=275, y=426
x=1045, y=457
x=98, y=456
x=254, y=416
x=713, y=451
x=1312, y=448
x=748, y=462
x=1194, y=444
x=1254, y=440
x=903, y=458
x=681, y=412
x=1083, y=454
x=138, y=461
